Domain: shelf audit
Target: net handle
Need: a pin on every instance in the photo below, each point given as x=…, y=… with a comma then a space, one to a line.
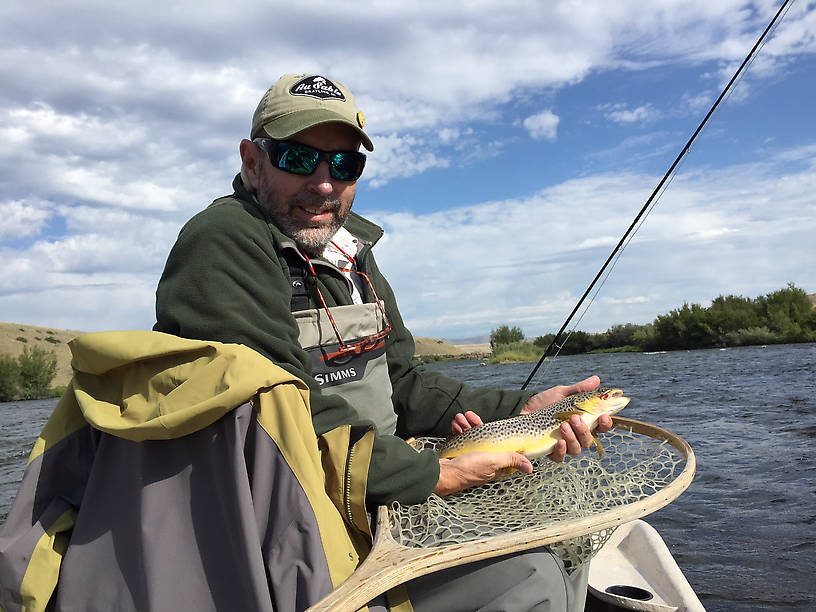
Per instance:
x=390, y=564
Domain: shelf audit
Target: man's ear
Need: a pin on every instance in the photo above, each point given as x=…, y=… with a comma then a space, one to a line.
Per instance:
x=250, y=164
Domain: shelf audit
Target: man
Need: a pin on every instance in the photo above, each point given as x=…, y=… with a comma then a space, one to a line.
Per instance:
x=283, y=266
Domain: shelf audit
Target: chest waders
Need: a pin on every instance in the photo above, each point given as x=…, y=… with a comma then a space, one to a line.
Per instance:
x=360, y=378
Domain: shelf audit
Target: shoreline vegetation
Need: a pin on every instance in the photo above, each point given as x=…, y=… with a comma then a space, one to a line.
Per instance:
x=34, y=358
x=28, y=376
x=785, y=316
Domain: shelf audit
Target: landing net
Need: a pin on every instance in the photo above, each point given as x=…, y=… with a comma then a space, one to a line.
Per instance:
x=635, y=467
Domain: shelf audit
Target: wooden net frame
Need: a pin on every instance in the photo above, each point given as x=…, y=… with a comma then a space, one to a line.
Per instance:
x=391, y=563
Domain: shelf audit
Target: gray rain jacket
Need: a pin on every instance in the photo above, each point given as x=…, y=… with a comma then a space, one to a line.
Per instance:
x=181, y=475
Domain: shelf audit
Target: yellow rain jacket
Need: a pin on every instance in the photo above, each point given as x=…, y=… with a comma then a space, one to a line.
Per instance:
x=180, y=474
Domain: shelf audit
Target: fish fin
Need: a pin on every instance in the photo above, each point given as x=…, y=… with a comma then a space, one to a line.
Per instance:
x=565, y=415
x=598, y=446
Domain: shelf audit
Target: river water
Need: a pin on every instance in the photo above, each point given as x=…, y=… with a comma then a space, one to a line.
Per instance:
x=743, y=532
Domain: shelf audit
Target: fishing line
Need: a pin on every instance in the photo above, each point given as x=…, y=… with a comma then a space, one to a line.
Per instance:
x=654, y=198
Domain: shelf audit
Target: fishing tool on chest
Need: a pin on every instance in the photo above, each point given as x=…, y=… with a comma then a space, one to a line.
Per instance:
x=573, y=507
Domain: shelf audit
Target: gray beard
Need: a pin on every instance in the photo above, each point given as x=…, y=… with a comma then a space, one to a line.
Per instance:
x=311, y=239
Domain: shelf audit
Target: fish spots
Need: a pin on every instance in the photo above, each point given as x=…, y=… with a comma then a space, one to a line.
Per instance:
x=537, y=432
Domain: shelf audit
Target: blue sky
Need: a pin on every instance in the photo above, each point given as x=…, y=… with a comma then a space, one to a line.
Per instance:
x=514, y=142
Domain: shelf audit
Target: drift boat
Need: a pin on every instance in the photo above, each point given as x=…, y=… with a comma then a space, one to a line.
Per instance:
x=634, y=570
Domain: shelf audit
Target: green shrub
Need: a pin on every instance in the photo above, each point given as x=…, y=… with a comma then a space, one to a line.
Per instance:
x=628, y=348
x=9, y=378
x=21, y=339
x=37, y=369
x=57, y=391
x=516, y=351
x=505, y=335
x=753, y=336
x=53, y=340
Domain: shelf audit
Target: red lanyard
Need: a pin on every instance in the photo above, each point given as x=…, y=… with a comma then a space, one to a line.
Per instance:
x=349, y=257
x=363, y=344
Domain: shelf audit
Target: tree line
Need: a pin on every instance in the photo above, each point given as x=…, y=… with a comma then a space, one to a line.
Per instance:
x=783, y=316
x=29, y=375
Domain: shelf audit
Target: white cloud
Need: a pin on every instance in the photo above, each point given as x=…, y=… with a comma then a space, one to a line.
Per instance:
x=542, y=126
x=398, y=157
x=465, y=270
x=130, y=122
x=697, y=103
x=635, y=299
x=526, y=261
x=21, y=219
x=640, y=114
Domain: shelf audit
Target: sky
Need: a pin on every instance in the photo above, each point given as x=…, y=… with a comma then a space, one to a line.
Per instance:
x=514, y=143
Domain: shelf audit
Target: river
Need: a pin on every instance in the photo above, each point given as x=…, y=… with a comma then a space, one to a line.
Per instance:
x=743, y=532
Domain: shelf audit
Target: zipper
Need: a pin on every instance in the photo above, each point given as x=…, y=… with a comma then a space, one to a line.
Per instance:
x=347, y=485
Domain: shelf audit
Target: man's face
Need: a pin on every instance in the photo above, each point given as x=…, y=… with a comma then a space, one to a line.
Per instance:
x=310, y=209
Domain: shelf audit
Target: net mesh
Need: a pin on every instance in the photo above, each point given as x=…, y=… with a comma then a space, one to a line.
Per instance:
x=633, y=467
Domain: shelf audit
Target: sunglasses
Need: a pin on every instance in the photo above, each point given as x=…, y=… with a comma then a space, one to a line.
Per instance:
x=303, y=160
x=361, y=345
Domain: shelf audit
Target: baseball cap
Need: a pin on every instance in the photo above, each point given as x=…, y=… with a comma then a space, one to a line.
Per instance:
x=300, y=101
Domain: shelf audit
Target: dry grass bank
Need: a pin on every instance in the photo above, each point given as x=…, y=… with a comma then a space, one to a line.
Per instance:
x=434, y=347
x=15, y=336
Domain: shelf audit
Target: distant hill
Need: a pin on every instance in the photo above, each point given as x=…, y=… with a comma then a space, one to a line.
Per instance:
x=434, y=347
x=15, y=336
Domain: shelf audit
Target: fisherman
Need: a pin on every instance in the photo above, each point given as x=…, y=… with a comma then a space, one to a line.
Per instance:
x=285, y=267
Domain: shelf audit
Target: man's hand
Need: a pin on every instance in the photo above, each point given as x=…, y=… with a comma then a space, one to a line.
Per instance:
x=555, y=394
x=463, y=422
x=477, y=468
x=575, y=433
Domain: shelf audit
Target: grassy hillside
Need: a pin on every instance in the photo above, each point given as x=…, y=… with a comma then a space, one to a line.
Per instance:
x=434, y=347
x=15, y=336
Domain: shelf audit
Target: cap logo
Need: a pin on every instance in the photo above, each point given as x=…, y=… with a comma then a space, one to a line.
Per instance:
x=317, y=87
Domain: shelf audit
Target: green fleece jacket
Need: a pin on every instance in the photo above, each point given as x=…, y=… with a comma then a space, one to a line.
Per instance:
x=227, y=279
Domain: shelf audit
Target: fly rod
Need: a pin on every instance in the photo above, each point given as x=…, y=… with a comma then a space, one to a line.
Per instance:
x=657, y=189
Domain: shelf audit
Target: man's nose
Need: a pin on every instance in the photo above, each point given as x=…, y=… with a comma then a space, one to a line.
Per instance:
x=320, y=180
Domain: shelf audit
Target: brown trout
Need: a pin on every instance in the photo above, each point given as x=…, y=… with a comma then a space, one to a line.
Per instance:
x=536, y=434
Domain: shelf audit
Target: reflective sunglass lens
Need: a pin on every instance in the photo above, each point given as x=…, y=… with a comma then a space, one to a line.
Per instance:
x=297, y=159
x=346, y=166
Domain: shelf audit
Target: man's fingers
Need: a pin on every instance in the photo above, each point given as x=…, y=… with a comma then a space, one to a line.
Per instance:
x=559, y=452
x=581, y=431
x=463, y=422
x=604, y=423
x=474, y=419
x=588, y=384
x=459, y=424
x=519, y=462
x=576, y=435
